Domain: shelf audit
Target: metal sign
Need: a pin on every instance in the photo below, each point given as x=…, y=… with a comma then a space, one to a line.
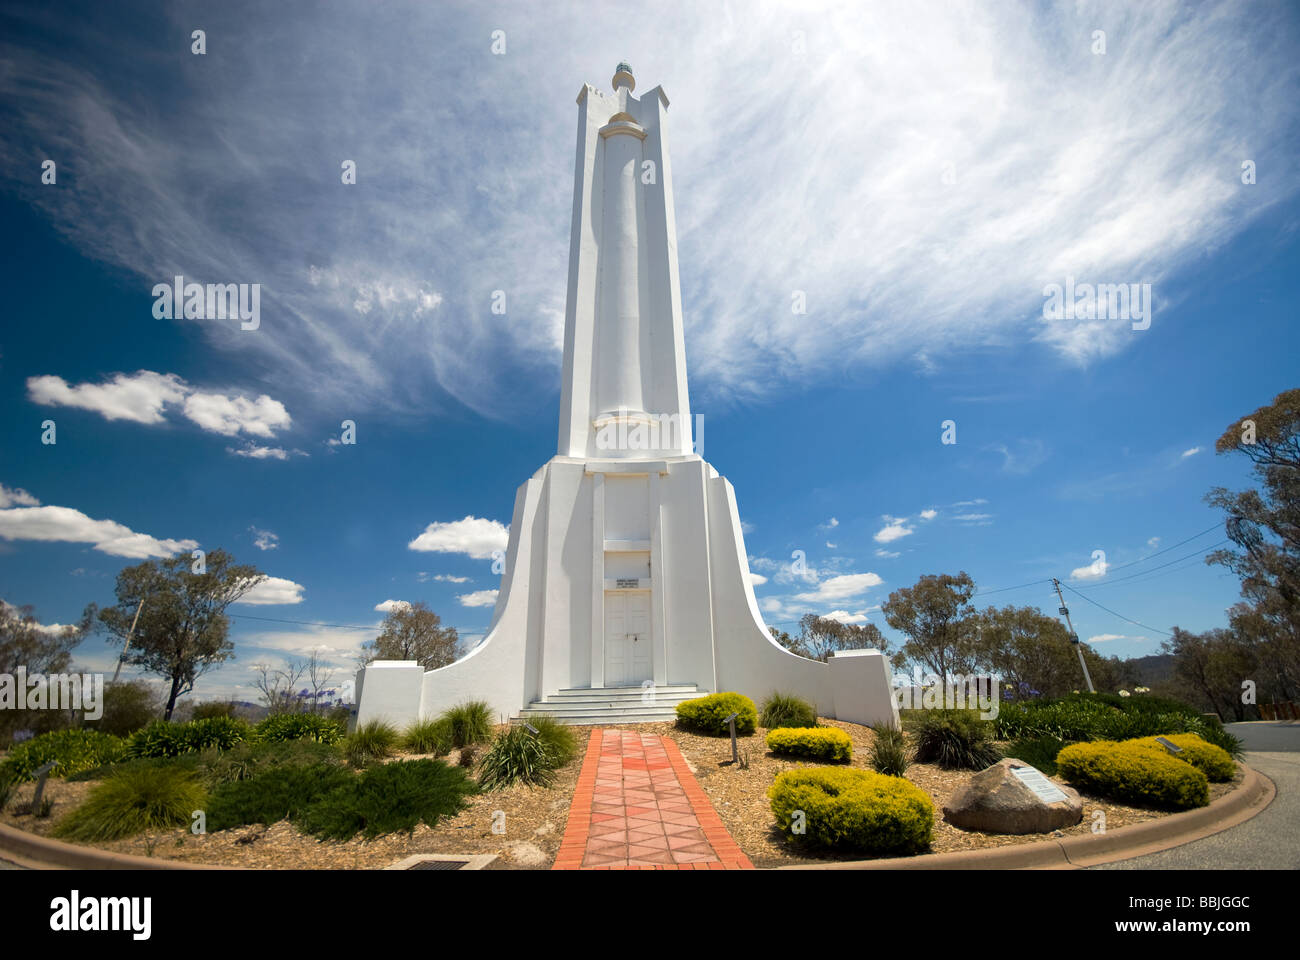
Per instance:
x=1042, y=788
x=730, y=721
x=1169, y=745
x=626, y=583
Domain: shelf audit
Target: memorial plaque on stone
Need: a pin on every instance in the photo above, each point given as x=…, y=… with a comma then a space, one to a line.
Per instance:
x=1043, y=788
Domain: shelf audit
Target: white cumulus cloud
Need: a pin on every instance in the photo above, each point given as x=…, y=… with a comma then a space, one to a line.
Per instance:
x=895, y=528
x=66, y=525
x=479, y=598
x=476, y=537
x=273, y=591
x=843, y=587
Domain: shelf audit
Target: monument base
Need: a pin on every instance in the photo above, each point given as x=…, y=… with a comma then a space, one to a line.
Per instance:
x=625, y=574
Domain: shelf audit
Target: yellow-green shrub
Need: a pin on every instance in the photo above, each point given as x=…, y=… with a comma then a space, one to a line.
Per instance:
x=1133, y=773
x=859, y=809
x=706, y=714
x=819, y=743
x=1215, y=762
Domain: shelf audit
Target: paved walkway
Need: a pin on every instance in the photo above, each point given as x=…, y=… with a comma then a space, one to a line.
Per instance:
x=637, y=805
x=1267, y=841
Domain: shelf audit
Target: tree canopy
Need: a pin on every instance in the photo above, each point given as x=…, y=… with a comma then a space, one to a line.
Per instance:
x=182, y=630
x=936, y=616
x=413, y=632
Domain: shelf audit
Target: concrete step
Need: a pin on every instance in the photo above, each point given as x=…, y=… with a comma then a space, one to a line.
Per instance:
x=586, y=707
x=674, y=692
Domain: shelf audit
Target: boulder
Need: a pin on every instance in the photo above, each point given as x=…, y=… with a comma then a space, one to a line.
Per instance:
x=996, y=800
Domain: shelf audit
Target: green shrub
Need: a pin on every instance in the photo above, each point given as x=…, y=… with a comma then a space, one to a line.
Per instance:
x=517, y=755
x=429, y=736
x=844, y=807
x=1214, y=762
x=786, y=710
x=370, y=742
x=186, y=761
x=393, y=796
x=707, y=714
x=275, y=794
x=75, y=751
x=955, y=740
x=7, y=784
x=219, y=733
x=128, y=706
x=1134, y=774
x=212, y=708
x=889, y=752
x=279, y=727
x=1101, y=716
x=558, y=738
x=817, y=743
x=247, y=760
x=1039, y=752
x=470, y=723
x=164, y=739
x=132, y=801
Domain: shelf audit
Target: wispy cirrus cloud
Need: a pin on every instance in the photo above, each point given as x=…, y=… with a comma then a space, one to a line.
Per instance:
x=380, y=292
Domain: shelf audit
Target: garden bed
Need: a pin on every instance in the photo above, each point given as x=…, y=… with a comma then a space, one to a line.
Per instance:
x=535, y=817
x=533, y=827
x=740, y=795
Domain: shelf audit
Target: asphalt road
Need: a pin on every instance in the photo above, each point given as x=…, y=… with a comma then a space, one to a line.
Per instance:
x=1268, y=841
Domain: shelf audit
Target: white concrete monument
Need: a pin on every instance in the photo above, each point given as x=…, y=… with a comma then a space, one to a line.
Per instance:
x=626, y=587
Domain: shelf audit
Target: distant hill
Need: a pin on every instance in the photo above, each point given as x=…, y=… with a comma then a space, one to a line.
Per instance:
x=1156, y=669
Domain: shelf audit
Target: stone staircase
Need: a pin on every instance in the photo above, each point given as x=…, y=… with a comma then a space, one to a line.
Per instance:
x=615, y=705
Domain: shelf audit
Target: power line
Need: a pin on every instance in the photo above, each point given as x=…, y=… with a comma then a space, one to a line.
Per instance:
x=1114, y=614
x=1143, y=578
x=1143, y=573
x=1167, y=549
x=1032, y=583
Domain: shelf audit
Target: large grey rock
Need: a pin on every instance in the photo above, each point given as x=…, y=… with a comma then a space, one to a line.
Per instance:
x=997, y=801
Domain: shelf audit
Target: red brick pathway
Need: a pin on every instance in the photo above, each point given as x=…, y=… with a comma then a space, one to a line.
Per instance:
x=636, y=805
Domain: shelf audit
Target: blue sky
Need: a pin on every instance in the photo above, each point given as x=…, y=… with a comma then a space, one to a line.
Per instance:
x=920, y=174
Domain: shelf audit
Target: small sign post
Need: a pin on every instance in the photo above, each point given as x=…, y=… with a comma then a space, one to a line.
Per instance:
x=1169, y=745
x=731, y=725
x=41, y=772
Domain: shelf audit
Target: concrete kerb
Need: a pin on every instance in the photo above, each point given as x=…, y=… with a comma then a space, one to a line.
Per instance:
x=29, y=850
x=1255, y=792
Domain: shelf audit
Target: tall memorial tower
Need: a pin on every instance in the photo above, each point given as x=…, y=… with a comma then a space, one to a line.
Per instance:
x=626, y=587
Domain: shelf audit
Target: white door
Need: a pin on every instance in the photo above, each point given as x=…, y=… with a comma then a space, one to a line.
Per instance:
x=628, y=659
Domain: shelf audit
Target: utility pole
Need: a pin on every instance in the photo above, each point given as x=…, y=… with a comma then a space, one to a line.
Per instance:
x=127, y=646
x=1074, y=637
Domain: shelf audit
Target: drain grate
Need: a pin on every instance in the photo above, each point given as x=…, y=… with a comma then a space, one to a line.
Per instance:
x=438, y=865
x=442, y=861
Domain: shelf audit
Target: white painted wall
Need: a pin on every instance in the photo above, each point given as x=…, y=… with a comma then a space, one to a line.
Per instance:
x=624, y=355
